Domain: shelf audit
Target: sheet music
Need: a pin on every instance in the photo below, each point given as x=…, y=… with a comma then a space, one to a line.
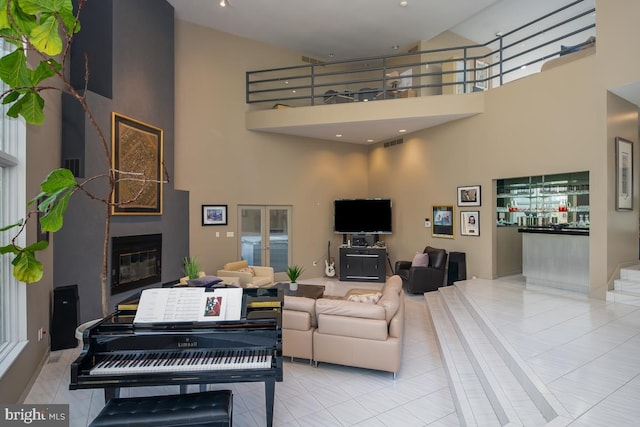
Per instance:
x=186, y=304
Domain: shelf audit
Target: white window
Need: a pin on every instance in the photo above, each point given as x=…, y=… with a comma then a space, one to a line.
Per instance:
x=13, y=319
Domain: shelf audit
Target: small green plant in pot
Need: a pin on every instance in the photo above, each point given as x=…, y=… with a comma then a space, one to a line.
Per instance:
x=191, y=267
x=294, y=272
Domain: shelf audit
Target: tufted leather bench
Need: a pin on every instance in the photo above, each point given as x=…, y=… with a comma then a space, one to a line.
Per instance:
x=209, y=408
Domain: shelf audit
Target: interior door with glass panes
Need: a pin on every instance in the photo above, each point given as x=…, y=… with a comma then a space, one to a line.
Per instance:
x=265, y=235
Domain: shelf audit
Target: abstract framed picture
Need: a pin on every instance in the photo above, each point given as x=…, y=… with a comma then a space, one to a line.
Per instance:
x=469, y=196
x=470, y=223
x=214, y=215
x=442, y=222
x=624, y=175
x=136, y=150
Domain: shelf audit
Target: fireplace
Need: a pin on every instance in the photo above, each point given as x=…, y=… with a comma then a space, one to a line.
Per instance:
x=135, y=262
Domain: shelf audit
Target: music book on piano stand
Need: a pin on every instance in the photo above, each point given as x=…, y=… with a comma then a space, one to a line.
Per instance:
x=171, y=305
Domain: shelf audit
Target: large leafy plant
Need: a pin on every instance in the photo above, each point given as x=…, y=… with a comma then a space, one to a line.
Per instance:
x=42, y=31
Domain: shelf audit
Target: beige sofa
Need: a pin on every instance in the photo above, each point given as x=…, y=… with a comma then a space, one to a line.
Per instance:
x=360, y=334
x=250, y=276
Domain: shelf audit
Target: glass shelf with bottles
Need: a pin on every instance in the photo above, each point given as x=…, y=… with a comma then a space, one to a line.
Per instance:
x=545, y=200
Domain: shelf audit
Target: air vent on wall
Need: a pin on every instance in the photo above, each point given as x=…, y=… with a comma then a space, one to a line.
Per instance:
x=310, y=60
x=73, y=165
x=393, y=142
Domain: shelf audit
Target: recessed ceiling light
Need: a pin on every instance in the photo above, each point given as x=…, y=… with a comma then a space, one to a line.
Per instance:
x=224, y=3
x=369, y=140
x=331, y=55
x=395, y=47
x=404, y=3
x=338, y=135
x=402, y=130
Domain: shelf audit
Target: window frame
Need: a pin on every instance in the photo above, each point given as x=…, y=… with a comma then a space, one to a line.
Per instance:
x=13, y=295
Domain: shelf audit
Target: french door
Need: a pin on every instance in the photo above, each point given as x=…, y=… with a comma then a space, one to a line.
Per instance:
x=265, y=235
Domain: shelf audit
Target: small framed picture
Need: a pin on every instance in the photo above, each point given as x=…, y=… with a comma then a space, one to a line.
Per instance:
x=481, y=79
x=442, y=222
x=469, y=196
x=624, y=175
x=214, y=214
x=470, y=223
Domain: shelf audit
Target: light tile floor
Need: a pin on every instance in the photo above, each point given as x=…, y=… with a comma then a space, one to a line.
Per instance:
x=586, y=351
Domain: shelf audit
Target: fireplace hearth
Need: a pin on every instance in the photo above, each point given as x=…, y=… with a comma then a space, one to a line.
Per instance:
x=135, y=262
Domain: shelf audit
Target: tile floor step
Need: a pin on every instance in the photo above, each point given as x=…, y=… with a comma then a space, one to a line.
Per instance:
x=510, y=401
x=553, y=412
x=631, y=273
x=472, y=404
x=624, y=297
x=626, y=285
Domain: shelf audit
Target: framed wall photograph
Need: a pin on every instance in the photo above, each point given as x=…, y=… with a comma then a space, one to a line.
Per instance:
x=214, y=214
x=136, y=150
x=624, y=174
x=442, y=222
x=469, y=196
x=481, y=80
x=470, y=223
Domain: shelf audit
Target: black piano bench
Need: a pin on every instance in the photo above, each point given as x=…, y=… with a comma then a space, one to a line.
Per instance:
x=208, y=408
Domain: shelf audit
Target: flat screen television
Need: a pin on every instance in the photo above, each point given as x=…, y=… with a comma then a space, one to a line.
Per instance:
x=355, y=216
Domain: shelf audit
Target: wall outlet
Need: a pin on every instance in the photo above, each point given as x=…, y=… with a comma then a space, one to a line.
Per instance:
x=40, y=334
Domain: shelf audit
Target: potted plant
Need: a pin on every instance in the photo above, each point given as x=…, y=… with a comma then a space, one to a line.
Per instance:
x=191, y=267
x=293, y=272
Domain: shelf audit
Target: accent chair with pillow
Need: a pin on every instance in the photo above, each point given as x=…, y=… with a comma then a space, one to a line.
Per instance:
x=250, y=276
x=425, y=273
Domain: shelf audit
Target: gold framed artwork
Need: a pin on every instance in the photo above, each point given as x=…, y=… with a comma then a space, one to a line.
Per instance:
x=136, y=150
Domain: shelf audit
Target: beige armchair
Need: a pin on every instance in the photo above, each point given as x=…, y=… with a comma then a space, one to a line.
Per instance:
x=250, y=276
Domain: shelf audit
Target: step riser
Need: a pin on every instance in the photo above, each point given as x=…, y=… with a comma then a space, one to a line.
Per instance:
x=630, y=273
x=477, y=335
x=626, y=285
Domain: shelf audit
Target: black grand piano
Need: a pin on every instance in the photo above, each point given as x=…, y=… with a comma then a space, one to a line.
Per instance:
x=118, y=353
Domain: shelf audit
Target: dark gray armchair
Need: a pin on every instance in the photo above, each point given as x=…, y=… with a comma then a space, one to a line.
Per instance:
x=418, y=280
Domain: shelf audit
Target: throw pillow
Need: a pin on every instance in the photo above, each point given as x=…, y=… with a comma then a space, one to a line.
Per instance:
x=205, y=281
x=366, y=298
x=248, y=270
x=420, y=260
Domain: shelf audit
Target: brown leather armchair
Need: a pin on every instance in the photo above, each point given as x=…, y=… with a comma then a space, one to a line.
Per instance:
x=418, y=280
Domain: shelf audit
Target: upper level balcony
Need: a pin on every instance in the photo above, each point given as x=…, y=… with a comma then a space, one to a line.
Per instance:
x=288, y=99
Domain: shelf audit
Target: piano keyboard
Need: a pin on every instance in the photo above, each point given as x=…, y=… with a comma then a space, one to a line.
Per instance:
x=188, y=361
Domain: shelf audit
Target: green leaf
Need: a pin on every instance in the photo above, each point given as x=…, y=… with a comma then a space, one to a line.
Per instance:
x=30, y=106
x=45, y=36
x=27, y=268
x=38, y=246
x=8, y=227
x=54, y=219
x=9, y=249
x=4, y=16
x=13, y=69
x=43, y=72
x=58, y=179
x=10, y=97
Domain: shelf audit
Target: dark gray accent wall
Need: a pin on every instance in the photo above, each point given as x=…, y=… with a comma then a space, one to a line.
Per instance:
x=140, y=67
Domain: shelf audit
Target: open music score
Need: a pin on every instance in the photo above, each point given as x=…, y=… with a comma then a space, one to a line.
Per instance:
x=171, y=305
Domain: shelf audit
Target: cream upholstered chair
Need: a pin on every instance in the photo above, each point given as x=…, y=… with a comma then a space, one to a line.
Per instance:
x=184, y=281
x=250, y=276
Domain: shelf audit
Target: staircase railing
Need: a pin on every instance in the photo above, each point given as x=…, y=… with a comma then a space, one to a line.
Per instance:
x=449, y=70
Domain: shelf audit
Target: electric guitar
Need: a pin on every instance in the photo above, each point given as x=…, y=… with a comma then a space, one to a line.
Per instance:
x=329, y=265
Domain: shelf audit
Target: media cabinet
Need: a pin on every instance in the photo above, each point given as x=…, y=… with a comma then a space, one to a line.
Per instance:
x=363, y=264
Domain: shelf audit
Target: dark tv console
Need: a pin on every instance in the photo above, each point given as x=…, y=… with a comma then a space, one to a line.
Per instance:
x=363, y=264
